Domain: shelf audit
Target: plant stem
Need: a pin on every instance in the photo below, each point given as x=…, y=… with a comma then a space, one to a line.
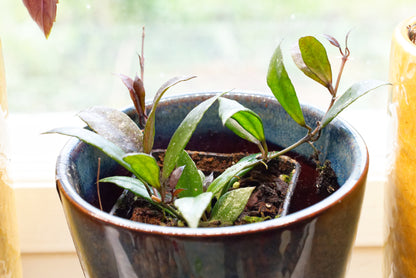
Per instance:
x=141, y=57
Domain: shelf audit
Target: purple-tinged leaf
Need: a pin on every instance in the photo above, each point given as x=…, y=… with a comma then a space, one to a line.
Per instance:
x=43, y=12
x=137, y=95
x=332, y=40
x=175, y=176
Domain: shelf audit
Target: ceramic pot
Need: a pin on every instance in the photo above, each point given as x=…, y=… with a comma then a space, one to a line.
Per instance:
x=400, y=204
x=313, y=242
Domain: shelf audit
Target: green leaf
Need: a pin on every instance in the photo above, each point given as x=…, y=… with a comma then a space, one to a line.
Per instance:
x=222, y=180
x=190, y=179
x=311, y=58
x=192, y=208
x=144, y=166
x=182, y=135
x=132, y=184
x=114, y=126
x=93, y=139
x=282, y=88
x=231, y=204
x=149, y=129
x=352, y=94
x=242, y=121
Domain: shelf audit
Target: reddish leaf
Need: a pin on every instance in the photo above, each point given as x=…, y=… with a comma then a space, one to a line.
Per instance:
x=137, y=94
x=43, y=12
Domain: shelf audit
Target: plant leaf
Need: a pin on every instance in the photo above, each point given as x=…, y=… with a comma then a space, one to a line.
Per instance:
x=352, y=94
x=132, y=184
x=282, y=88
x=149, y=130
x=190, y=179
x=93, y=139
x=144, y=166
x=192, y=208
x=114, y=126
x=311, y=58
x=137, y=95
x=182, y=135
x=242, y=121
x=222, y=180
x=231, y=204
x=43, y=12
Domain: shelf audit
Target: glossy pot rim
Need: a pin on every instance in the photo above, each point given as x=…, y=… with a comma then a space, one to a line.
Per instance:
x=352, y=183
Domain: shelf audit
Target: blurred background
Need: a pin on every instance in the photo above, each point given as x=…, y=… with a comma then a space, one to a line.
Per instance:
x=227, y=44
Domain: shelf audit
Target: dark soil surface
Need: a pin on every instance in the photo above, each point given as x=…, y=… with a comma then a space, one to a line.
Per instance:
x=266, y=201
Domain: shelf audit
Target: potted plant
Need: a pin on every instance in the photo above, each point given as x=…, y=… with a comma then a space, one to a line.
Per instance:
x=313, y=240
x=399, y=260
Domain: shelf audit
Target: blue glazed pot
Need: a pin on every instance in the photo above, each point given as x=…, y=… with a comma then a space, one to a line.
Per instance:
x=313, y=242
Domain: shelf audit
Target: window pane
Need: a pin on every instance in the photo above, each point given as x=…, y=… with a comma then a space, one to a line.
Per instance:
x=227, y=44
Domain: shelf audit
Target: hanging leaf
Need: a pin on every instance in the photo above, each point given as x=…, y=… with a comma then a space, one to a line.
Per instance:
x=243, y=122
x=352, y=94
x=282, y=88
x=311, y=58
x=144, y=166
x=231, y=204
x=190, y=179
x=137, y=95
x=149, y=130
x=114, y=126
x=192, y=208
x=93, y=139
x=43, y=12
x=131, y=184
x=182, y=135
x=174, y=177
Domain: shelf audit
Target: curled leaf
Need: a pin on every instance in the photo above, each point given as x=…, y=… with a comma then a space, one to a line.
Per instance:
x=332, y=40
x=175, y=176
x=43, y=12
x=137, y=95
x=311, y=58
x=243, y=122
